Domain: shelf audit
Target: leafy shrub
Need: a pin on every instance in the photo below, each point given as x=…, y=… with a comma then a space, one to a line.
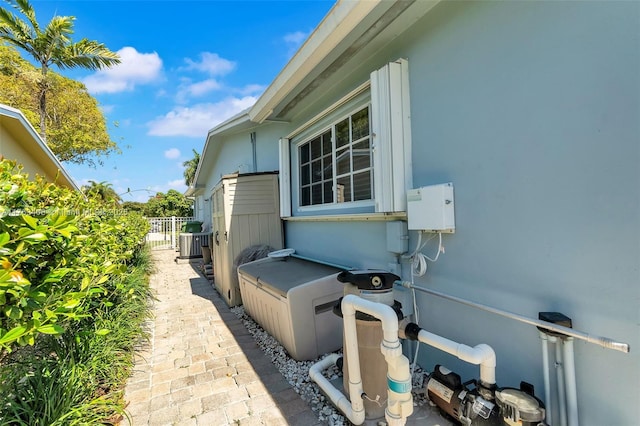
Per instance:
x=58, y=253
x=73, y=302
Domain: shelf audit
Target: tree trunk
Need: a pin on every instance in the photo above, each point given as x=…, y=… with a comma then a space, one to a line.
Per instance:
x=43, y=103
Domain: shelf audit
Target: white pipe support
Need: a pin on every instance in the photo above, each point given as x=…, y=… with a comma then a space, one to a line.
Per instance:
x=353, y=359
x=562, y=399
x=570, y=381
x=338, y=398
x=399, y=398
x=390, y=345
x=544, y=338
x=482, y=354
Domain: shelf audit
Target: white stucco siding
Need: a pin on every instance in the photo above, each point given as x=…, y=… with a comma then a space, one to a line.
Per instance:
x=531, y=110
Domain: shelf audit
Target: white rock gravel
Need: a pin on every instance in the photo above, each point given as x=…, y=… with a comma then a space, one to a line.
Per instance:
x=297, y=373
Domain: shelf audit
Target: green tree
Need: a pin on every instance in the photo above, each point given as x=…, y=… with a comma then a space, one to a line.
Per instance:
x=51, y=46
x=173, y=203
x=76, y=127
x=102, y=191
x=134, y=206
x=190, y=167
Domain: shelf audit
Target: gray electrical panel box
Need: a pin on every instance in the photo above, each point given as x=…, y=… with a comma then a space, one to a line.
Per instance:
x=431, y=208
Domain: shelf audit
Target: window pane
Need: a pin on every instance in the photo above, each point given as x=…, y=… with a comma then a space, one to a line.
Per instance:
x=305, y=196
x=362, y=186
x=360, y=122
x=304, y=153
x=316, y=194
x=316, y=171
x=305, y=174
x=342, y=133
x=361, y=155
x=327, y=167
x=344, y=189
x=326, y=143
x=328, y=192
x=316, y=148
x=343, y=162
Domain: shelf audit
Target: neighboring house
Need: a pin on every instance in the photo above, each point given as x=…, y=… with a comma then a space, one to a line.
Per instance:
x=19, y=141
x=530, y=109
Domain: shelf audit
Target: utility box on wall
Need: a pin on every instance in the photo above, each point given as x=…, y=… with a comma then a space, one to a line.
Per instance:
x=431, y=208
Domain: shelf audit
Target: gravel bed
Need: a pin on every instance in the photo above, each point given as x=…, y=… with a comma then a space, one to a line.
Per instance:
x=297, y=373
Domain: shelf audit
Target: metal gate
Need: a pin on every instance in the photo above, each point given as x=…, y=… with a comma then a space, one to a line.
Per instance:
x=164, y=231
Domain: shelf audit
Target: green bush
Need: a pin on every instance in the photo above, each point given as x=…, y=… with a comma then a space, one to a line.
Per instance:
x=73, y=301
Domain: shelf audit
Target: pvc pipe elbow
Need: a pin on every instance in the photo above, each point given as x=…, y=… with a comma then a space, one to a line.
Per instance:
x=386, y=314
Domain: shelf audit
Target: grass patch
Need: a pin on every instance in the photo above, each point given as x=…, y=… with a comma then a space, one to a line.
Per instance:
x=77, y=378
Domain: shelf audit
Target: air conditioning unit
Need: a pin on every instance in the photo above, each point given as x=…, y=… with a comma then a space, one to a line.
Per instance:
x=190, y=244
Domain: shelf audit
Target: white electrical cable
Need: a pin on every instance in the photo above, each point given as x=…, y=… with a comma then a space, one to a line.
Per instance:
x=418, y=269
x=419, y=262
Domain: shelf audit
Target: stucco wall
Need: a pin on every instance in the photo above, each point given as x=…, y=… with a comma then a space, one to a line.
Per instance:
x=11, y=149
x=531, y=110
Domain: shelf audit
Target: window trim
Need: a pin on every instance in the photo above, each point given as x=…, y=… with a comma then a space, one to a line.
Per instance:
x=387, y=93
x=334, y=205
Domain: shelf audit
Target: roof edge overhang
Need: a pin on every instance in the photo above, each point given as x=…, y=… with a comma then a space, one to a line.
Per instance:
x=343, y=18
x=16, y=114
x=231, y=125
x=349, y=26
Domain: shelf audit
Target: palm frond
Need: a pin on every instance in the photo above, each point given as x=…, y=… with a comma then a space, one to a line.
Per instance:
x=27, y=10
x=86, y=54
x=16, y=32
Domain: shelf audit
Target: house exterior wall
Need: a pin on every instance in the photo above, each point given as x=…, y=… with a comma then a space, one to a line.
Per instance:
x=531, y=110
x=234, y=153
x=11, y=149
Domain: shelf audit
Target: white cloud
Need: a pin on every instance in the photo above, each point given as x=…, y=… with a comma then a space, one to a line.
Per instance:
x=294, y=41
x=177, y=184
x=134, y=68
x=172, y=153
x=106, y=109
x=252, y=89
x=295, y=38
x=211, y=64
x=188, y=89
x=195, y=121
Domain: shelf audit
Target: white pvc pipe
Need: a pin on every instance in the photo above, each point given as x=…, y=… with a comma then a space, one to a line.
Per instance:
x=562, y=400
x=338, y=398
x=544, y=338
x=605, y=342
x=399, y=399
x=390, y=342
x=481, y=354
x=570, y=381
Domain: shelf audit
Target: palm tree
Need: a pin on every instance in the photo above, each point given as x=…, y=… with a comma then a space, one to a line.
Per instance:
x=51, y=46
x=190, y=167
x=102, y=191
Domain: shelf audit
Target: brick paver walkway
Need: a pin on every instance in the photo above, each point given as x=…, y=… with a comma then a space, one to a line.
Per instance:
x=201, y=366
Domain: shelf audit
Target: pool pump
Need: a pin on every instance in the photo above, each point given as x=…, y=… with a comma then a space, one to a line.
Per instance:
x=475, y=403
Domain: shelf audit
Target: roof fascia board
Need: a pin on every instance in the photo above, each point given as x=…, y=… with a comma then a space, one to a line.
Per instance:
x=230, y=125
x=341, y=20
x=16, y=114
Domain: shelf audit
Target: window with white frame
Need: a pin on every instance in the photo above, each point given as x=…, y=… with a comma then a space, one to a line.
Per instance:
x=335, y=166
x=355, y=153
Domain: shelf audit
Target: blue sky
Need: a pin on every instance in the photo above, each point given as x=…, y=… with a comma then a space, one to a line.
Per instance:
x=186, y=67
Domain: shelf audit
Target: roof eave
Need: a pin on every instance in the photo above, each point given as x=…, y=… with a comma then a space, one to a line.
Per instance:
x=334, y=28
x=16, y=114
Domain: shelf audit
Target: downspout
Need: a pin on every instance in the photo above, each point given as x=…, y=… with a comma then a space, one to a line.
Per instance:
x=254, y=152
